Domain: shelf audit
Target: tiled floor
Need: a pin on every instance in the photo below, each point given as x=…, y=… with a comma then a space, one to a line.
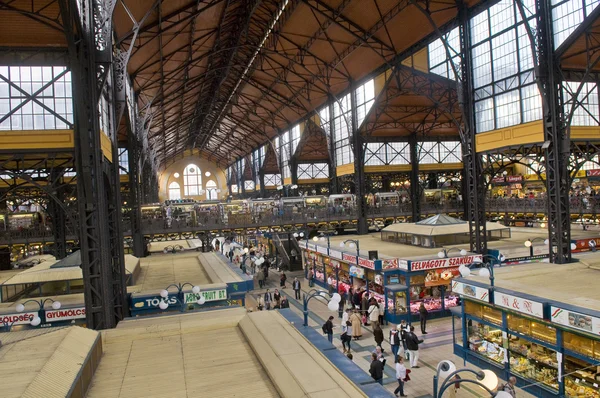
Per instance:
x=436, y=347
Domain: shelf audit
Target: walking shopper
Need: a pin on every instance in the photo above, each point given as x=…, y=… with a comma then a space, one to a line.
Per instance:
x=373, y=313
x=311, y=277
x=261, y=278
x=296, y=286
x=328, y=329
x=423, y=317
x=400, y=376
x=377, y=334
x=356, y=321
x=260, y=302
x=268, y=299
x=510, y=386
x=345, y=336
x=404, y=330
x=394, y=340
x=282, y=280
x=376, y=369
x=412, y=343
x=277, y=298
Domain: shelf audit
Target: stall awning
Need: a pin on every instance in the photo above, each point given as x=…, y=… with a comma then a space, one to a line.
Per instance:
x=439, y=225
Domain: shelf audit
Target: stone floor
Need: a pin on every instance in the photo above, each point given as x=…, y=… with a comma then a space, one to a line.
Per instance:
x=437, y=346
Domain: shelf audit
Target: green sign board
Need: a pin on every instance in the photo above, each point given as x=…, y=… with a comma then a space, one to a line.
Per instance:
x=210, y=295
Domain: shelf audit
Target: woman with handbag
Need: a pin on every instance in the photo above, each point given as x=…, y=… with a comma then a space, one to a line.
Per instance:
x=356, y=321
x=401, y=376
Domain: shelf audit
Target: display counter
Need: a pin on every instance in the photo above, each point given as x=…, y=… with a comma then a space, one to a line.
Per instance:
x=535, y=350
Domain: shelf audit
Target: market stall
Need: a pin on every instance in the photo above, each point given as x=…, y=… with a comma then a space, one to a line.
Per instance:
x=552, y=348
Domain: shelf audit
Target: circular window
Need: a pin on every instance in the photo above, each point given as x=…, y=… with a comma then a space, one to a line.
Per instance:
x=176, y=175
x=192, y=170
x=207, y=174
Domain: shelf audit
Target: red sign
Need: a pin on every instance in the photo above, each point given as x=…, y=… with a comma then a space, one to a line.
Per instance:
x=65, y=314
x=443, y=262
x=514, y=178
x=584, y=245
x=593, y=173
x=366, y=263
x=17, y=319
x=497, y=180
x=349, y=258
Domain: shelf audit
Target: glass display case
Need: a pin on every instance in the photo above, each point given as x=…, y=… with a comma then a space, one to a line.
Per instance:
x=582, y=345
x=581, y=378
x=486, y=341
x=527, y=327
x=533, y=361
x=484, y=312
x=397, y=302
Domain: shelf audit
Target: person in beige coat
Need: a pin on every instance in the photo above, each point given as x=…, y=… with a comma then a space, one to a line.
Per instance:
x=356, y=321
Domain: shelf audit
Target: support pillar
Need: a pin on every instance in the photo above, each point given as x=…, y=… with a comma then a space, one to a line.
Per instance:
x=135, y=198
x=333, y=179
x=556, y=137
x=90, y=63
x=475, y=197
x=358, y=144
x=59, y=229
x=415, y=186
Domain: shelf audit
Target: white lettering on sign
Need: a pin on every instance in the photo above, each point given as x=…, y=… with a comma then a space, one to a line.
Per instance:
x=17, y=319
x=475, y=292
x=443, y=262
x=209, y=295
x=518, y=304
x=65, y=314
x=575, y=320
x=154, y=302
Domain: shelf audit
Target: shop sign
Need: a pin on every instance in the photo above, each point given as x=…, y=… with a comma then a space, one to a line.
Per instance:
x=23, y=318
x=593, y=173
x=443, y=262
x=575, y=320
x=152, y=302
x=524, y=306
x=389, y=263
x=366, y=263
x=357, y=272
x=65, y=314
x=440, y=277
x=584, y=245
x=335, y=254
x=322, y=249
x=349, y=258
x=403, y=264
x=311, y=246
x=513, y=179
x=209, y=295
x=498, y=180
x=475, y=292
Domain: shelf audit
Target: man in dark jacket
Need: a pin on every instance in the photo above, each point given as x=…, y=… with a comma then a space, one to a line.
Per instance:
x=412, y=345
x=296, y=287
x=423, y=317
x=376, y=369
x=284, y=302
x=268, y=299
x=329, y=329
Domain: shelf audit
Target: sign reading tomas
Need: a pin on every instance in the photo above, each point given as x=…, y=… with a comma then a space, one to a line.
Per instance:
x=210, y=295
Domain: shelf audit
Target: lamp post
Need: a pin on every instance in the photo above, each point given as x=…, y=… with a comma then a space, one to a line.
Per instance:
x=37, y=320
x=332, y=305
x=488, y=267
x=444, y=252
x=164, y=304
x=355, y=243
x=529, y=243
x=446, y=372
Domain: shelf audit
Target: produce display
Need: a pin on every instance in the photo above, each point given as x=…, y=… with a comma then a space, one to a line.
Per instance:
x=577, y=388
